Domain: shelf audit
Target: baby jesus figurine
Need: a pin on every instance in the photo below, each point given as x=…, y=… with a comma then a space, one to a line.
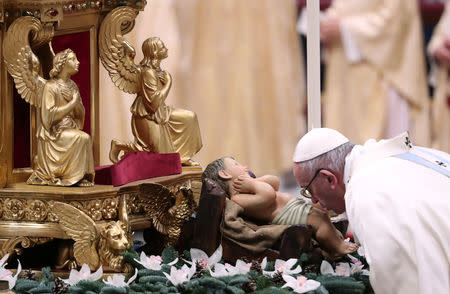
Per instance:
x=261, y=200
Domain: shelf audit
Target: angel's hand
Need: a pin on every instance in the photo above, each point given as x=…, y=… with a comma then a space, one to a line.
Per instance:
x=167, y=77
x=76, y=98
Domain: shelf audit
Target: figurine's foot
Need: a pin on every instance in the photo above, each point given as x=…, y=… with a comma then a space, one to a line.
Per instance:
x=85, y=183
x=347, y=248
x=190, y=162
x=114, y=152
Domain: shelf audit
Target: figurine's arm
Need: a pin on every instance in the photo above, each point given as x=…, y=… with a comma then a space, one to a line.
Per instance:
x=155, y=96
x=253, y=194
x=272, y=180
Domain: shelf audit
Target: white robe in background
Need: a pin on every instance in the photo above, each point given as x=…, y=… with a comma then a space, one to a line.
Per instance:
x=440, y=134
x=399, y=210
x=367, y=93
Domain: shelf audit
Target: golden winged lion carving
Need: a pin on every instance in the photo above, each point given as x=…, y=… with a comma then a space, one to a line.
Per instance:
x=95, y=244
x=156, y=127
x=64, y=152
x=167, y=210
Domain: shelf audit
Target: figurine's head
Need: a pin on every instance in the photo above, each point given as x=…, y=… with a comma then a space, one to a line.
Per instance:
x=223, y=171
x=153, y=49
x=65, y=61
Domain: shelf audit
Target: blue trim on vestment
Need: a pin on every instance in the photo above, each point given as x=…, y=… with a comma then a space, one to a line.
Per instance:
x=419, y=160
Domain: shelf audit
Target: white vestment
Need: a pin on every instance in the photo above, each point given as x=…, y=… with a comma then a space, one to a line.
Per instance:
x=400, y=210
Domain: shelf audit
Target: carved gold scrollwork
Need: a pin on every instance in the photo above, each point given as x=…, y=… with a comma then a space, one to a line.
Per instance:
x=94, y=209
x=14, y=209
x=134, y=204
x=43, y=36
x=36, y=210
x=167, y=210
x=11, y=246
x=41, y=210
x=109, y=208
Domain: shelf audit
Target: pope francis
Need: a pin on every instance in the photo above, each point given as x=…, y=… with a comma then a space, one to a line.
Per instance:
x=396, y=198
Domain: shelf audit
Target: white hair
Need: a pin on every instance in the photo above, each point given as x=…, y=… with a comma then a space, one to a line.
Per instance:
x=333, y=160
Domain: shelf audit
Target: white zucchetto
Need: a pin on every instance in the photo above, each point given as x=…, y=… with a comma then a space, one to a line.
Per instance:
x=317, y=142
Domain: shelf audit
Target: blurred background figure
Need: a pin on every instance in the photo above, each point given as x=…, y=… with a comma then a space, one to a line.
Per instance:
x=237, y=64
x=439, y=49
x=375, y=80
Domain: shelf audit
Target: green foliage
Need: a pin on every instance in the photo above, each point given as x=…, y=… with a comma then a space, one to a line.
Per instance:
x=341, y=285
x=42, y=288
x=169, y=254
x=47, y=276
x=320, y=290
x=152, y=279
x=94, y=286
x=273, y=290
x=263, y=282
x=365, y=280
x=149, y=272
x=130, y=256
x=113, y=290
x=237, y=280
x=24, y=285
x=75, y=290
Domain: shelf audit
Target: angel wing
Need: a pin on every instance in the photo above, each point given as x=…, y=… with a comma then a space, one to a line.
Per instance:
x=116, y=54
x=81, y=228
x=21, y=62
x=166, y=210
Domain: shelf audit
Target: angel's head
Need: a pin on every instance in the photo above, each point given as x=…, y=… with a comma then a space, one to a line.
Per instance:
x=64, y=62
x=153, y=49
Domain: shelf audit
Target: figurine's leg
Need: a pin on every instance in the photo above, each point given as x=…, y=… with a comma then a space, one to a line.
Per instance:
x=117, y=147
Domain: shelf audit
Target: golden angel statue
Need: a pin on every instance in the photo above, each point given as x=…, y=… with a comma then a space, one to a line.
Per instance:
x=64, y=152
x=156, y=126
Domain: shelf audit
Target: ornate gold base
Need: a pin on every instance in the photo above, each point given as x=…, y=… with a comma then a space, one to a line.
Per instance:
x=32, y=215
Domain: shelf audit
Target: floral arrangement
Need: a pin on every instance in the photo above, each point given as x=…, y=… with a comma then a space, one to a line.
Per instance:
x=196, y=272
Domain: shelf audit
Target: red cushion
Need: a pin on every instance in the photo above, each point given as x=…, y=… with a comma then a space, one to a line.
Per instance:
x=138, y=166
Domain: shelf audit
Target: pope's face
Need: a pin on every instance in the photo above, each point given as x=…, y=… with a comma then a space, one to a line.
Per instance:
x=322, y=189
x=72, y=63
x=234, y=168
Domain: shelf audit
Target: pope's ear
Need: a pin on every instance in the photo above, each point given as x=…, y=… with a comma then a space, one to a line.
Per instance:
x=224, y=175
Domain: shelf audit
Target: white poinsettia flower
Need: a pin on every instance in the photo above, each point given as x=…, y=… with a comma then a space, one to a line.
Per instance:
x=6, y=274
x=199, y=256
x=153, y=262
x=361, y=251
x=243, y=267
x=221, y=270
x=357, y=266
x=118, y=280
x=179, y=276
x=300, y=284
x=342, y=269
x=84, y=274
x=283, y=267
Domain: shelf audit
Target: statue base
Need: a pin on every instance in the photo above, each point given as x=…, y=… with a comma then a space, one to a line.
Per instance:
x=28, y=217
